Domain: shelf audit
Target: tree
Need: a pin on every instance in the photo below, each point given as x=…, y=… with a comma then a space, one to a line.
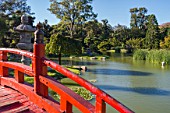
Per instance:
x=138, y=22
x=166, y=43
x=12, y=7
x=134, y=43
x=134, y=20
x=121, y=33
x=72, y=12
x=62, y=45
x=152, y=34
x=3, y=29
x=46, y=29
x=142, y=18
x=93, y=34
x=106, y=29
x=11, y=11
x=138, y=18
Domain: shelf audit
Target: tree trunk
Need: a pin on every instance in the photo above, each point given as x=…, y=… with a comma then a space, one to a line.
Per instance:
x=59, y=58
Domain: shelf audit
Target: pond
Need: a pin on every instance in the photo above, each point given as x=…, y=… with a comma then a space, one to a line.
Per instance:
x=141, y=86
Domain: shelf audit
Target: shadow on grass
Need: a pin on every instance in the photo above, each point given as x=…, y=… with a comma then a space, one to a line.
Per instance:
x=140, y=90
x=119, y=72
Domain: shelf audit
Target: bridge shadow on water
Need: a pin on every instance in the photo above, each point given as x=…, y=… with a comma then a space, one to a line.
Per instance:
x=140, y=90
x=119, y=72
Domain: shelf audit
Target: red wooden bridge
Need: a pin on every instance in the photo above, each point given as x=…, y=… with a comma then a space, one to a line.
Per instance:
x=18, y=96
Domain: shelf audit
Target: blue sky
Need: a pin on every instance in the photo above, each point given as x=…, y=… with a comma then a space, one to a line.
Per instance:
x=116, y=11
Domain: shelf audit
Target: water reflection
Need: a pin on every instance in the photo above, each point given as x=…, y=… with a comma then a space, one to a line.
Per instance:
x=141, y=90
x=118, y=72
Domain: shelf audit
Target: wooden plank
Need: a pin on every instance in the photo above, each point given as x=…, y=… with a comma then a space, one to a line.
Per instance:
x=12, y=101
x=4, y=94
x=9, y=103
x=21, y=109
x=1, y=87
x=8, y=97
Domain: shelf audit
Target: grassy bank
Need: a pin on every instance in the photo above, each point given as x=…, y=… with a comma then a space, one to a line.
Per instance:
x=153, y=56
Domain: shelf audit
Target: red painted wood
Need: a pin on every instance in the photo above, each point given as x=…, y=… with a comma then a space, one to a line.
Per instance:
x=19, y=66
x=48, y=104
x=67, y=95
x=39, y=94
x=19, y=76
x=65, y=106
x=16, y=102
x=8, y=103
x=89, y=86
x=3, y=69
x=21, y=109
x=17, y=51
x=100, y=105
x=39, y=69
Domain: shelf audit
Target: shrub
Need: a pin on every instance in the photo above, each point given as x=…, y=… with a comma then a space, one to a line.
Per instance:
x=140, y=54
x=154, y=56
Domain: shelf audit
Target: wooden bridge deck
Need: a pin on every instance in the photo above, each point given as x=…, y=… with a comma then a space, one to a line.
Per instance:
x=12, y=101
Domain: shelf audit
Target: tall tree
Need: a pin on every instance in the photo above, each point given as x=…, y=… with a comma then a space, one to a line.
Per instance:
x=134, y=18
x=142, y=18
x=72, y=12
x=138, y=18
x=11, y=7
x=106, y=29
x=138, y=22
x=152, y=34
x=46, y=29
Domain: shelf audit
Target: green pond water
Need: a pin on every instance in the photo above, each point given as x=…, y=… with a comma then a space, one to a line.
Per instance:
x=141, y=86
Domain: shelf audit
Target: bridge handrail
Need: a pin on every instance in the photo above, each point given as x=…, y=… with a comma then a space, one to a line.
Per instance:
x=101, y=95
x=52, y=83
x=18, y=51
x=65, y=93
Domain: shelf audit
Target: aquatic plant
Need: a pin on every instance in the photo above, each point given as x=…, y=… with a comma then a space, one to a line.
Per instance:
x=153, y=56
x=140, y=54
x=158, y=56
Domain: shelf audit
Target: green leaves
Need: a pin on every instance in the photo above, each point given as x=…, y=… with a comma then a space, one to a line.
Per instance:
x=152, y=34
x=73, y=12
x=138, y=18
x=64, y=45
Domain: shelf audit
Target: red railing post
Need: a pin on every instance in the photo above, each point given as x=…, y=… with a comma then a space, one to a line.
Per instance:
x=19, y=76
x=65, y=106
x=100, y=105
x=39, y=68
x=3, y=69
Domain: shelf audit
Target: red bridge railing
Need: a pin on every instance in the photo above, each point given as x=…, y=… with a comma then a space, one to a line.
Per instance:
x=38, y=93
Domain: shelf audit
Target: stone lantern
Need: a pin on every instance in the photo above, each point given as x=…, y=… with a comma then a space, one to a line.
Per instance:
x=26, y=32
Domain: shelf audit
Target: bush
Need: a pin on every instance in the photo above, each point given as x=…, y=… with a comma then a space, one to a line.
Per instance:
x=154, y=56
x=140, y=54
x=158, y=56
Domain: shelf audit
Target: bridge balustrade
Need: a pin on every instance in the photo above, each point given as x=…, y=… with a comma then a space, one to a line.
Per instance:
x=38, y=93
